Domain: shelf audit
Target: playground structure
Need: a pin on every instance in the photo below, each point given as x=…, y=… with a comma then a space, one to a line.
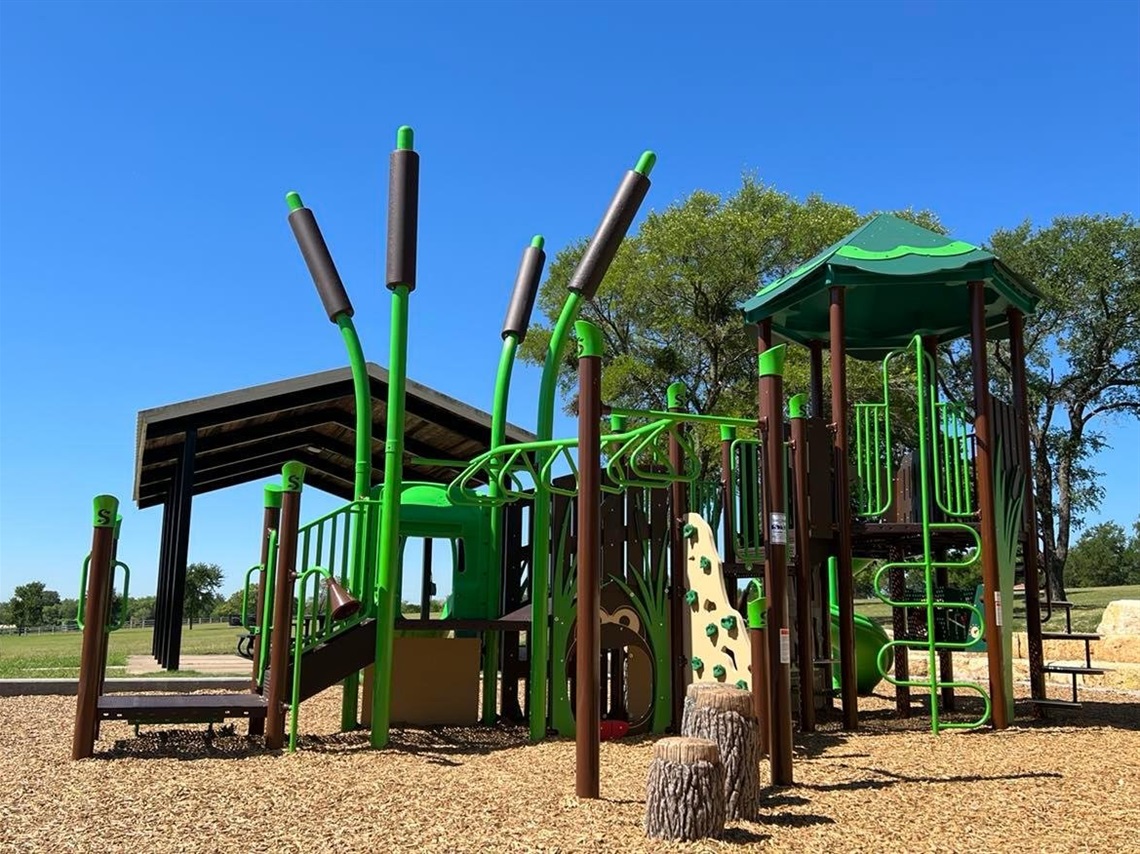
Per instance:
x=638, y=596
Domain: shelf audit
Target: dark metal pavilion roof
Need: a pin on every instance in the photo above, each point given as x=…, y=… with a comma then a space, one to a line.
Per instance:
x=248, y=434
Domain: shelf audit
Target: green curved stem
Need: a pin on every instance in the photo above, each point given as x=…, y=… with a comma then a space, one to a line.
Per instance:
x=538, y=639
x=360, y=571
x=494, y=588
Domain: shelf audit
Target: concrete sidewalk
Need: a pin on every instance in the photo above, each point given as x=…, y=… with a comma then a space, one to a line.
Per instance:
x=219, y=665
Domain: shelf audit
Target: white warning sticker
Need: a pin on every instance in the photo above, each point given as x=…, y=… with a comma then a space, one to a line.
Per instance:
x=785, y=646
x=997, y=607
x=778, y=529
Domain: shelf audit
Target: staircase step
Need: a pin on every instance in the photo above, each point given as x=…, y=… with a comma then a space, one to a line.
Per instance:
x=1090, y=636
x=1067, y=668
x=1056, y=704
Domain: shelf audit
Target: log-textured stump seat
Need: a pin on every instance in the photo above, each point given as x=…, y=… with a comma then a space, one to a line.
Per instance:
x=684, y=797
x=725, y=717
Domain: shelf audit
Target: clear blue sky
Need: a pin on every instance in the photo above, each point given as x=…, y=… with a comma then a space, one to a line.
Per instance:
x=146, y=149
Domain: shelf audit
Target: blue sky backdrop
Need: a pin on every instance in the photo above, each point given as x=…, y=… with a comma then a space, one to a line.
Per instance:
x=146, y=150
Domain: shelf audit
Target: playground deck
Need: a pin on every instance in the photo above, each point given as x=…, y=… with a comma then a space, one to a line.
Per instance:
x=891, y=787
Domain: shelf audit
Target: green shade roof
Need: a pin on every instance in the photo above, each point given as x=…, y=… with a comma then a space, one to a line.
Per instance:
x=900, y=279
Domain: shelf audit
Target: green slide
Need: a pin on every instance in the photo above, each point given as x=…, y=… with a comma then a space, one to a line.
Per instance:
x=869, y=639
x=869, y=636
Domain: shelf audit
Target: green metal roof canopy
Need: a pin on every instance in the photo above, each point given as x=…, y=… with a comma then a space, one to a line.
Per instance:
x=901, y=279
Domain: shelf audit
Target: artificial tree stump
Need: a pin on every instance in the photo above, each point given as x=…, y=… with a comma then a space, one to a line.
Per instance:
x=684, y=795
x=725, y=717
x=691, y=693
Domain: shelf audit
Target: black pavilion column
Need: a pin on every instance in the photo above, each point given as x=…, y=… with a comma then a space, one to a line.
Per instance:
x=161, y=594
x=180, y=546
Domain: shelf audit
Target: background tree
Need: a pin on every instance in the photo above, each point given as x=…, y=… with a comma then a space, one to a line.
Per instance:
x=669, y=308
x=141, y=608
x=202, y=583
x=26, y=607
x=231, y=607
x=1083, y=360
x=1104, y=556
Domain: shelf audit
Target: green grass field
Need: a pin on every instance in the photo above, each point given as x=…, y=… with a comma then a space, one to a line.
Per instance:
x=57, y=655
x=1089, y=605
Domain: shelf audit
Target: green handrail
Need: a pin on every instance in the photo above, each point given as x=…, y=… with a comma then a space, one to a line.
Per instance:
x=112, y=624
x=252, y=628
x=267, y=605
x=299, y=642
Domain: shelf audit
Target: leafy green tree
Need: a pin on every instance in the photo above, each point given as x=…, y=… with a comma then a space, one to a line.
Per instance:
x=231, y=607
x=1083, y=360
x=6, y=618
x=1104, y=557
x=202, y=583
x=141, y=608
x=62, y=612
x=669, y=308
x=28, y=603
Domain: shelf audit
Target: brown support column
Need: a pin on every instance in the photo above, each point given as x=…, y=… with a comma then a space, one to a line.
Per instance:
x=292, y=477
x=897, y=581
x=94, y=648
x=184, y=486
x=760, y=678
x=677, y=584
x=804, y=632
x=984, y=471
x=815, y=351
x=849, y=692
x=1029, y=548
x=587, y=718
x=269, y=521
x=776, y=567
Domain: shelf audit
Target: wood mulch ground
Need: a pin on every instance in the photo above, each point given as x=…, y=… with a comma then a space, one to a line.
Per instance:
x=1072, y=784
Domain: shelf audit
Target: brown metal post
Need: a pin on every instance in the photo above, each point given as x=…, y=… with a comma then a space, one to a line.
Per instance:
x=848, y=688
x=292, y=479
x=984, y=472
x=815, y=387
x=804, y=634
x=677, y=584
x=760, y=678
x=771, y=364
x=1029, y=549
x=587, y=717
x=269, y=521
x=94, y=649
x=897, y=580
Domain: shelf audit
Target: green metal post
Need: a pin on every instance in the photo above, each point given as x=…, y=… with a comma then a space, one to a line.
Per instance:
x=388, y=569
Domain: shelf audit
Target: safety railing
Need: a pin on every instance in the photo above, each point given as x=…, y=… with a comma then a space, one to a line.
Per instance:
x=874, y=482
x=953, y=459
x=748, y=498
x=267, y=606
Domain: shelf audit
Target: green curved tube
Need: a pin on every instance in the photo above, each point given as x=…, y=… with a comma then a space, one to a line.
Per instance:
x=360, y=571
x=498, y=438
x=538, y=639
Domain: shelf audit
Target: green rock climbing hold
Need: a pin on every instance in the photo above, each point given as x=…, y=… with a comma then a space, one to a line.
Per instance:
x=706, y=564
x=691, y=597
x=697, y=663
x=688, y=531
x=740, y=683
x=711, y=630
x=728, y=623
x=719, y=671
